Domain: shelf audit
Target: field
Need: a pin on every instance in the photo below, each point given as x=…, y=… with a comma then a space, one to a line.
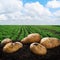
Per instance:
x=17, y=32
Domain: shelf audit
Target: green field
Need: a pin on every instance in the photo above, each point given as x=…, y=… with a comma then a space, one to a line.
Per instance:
x=17, y=32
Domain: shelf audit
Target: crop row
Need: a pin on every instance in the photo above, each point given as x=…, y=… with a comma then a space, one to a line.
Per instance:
x=17, y=32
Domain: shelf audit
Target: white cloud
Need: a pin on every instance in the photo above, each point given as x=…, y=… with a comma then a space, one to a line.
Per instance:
x=3, y=17
x=11, y=5
x=53, y=4
x=36, y=8
x=57, y=13
x=30, y=13
x=1, y=8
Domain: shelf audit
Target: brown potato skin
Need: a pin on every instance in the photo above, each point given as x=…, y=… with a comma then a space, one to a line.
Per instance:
x=12, y=47
x=38, y=49
x=25, y=40
x=59, y=42
x=6, y=40
x=50, y=42
x=34, y=37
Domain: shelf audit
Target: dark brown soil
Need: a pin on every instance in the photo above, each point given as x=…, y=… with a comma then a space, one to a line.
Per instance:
x=26, y=54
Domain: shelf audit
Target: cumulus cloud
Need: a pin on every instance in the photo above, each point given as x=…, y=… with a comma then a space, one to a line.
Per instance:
x=57, y=13
x=3, y=17
x=10, y=5
x=14, y=12
x=53, y=4
x=1, y=8
x=36, y=8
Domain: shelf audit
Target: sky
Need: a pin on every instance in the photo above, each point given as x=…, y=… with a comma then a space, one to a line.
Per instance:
x=29, y=12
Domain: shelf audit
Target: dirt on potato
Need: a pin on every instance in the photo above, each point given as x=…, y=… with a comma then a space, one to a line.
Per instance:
x=26, y=54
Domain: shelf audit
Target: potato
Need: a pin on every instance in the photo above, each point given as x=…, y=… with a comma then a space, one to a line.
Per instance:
x=34, y=37
x=59, y=42
x=5, y=41
x=38, y=49
x=50, y=42
x=25, y=40
x=12, y=47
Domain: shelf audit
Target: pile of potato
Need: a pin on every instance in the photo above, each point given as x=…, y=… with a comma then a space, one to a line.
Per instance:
x=11, y=47
x=37, y=45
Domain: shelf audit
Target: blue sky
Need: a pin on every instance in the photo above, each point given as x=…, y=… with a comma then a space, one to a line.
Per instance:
x=32, y=12
x=43, y=2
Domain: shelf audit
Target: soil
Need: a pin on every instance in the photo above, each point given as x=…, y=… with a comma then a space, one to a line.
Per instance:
x=26, y=54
